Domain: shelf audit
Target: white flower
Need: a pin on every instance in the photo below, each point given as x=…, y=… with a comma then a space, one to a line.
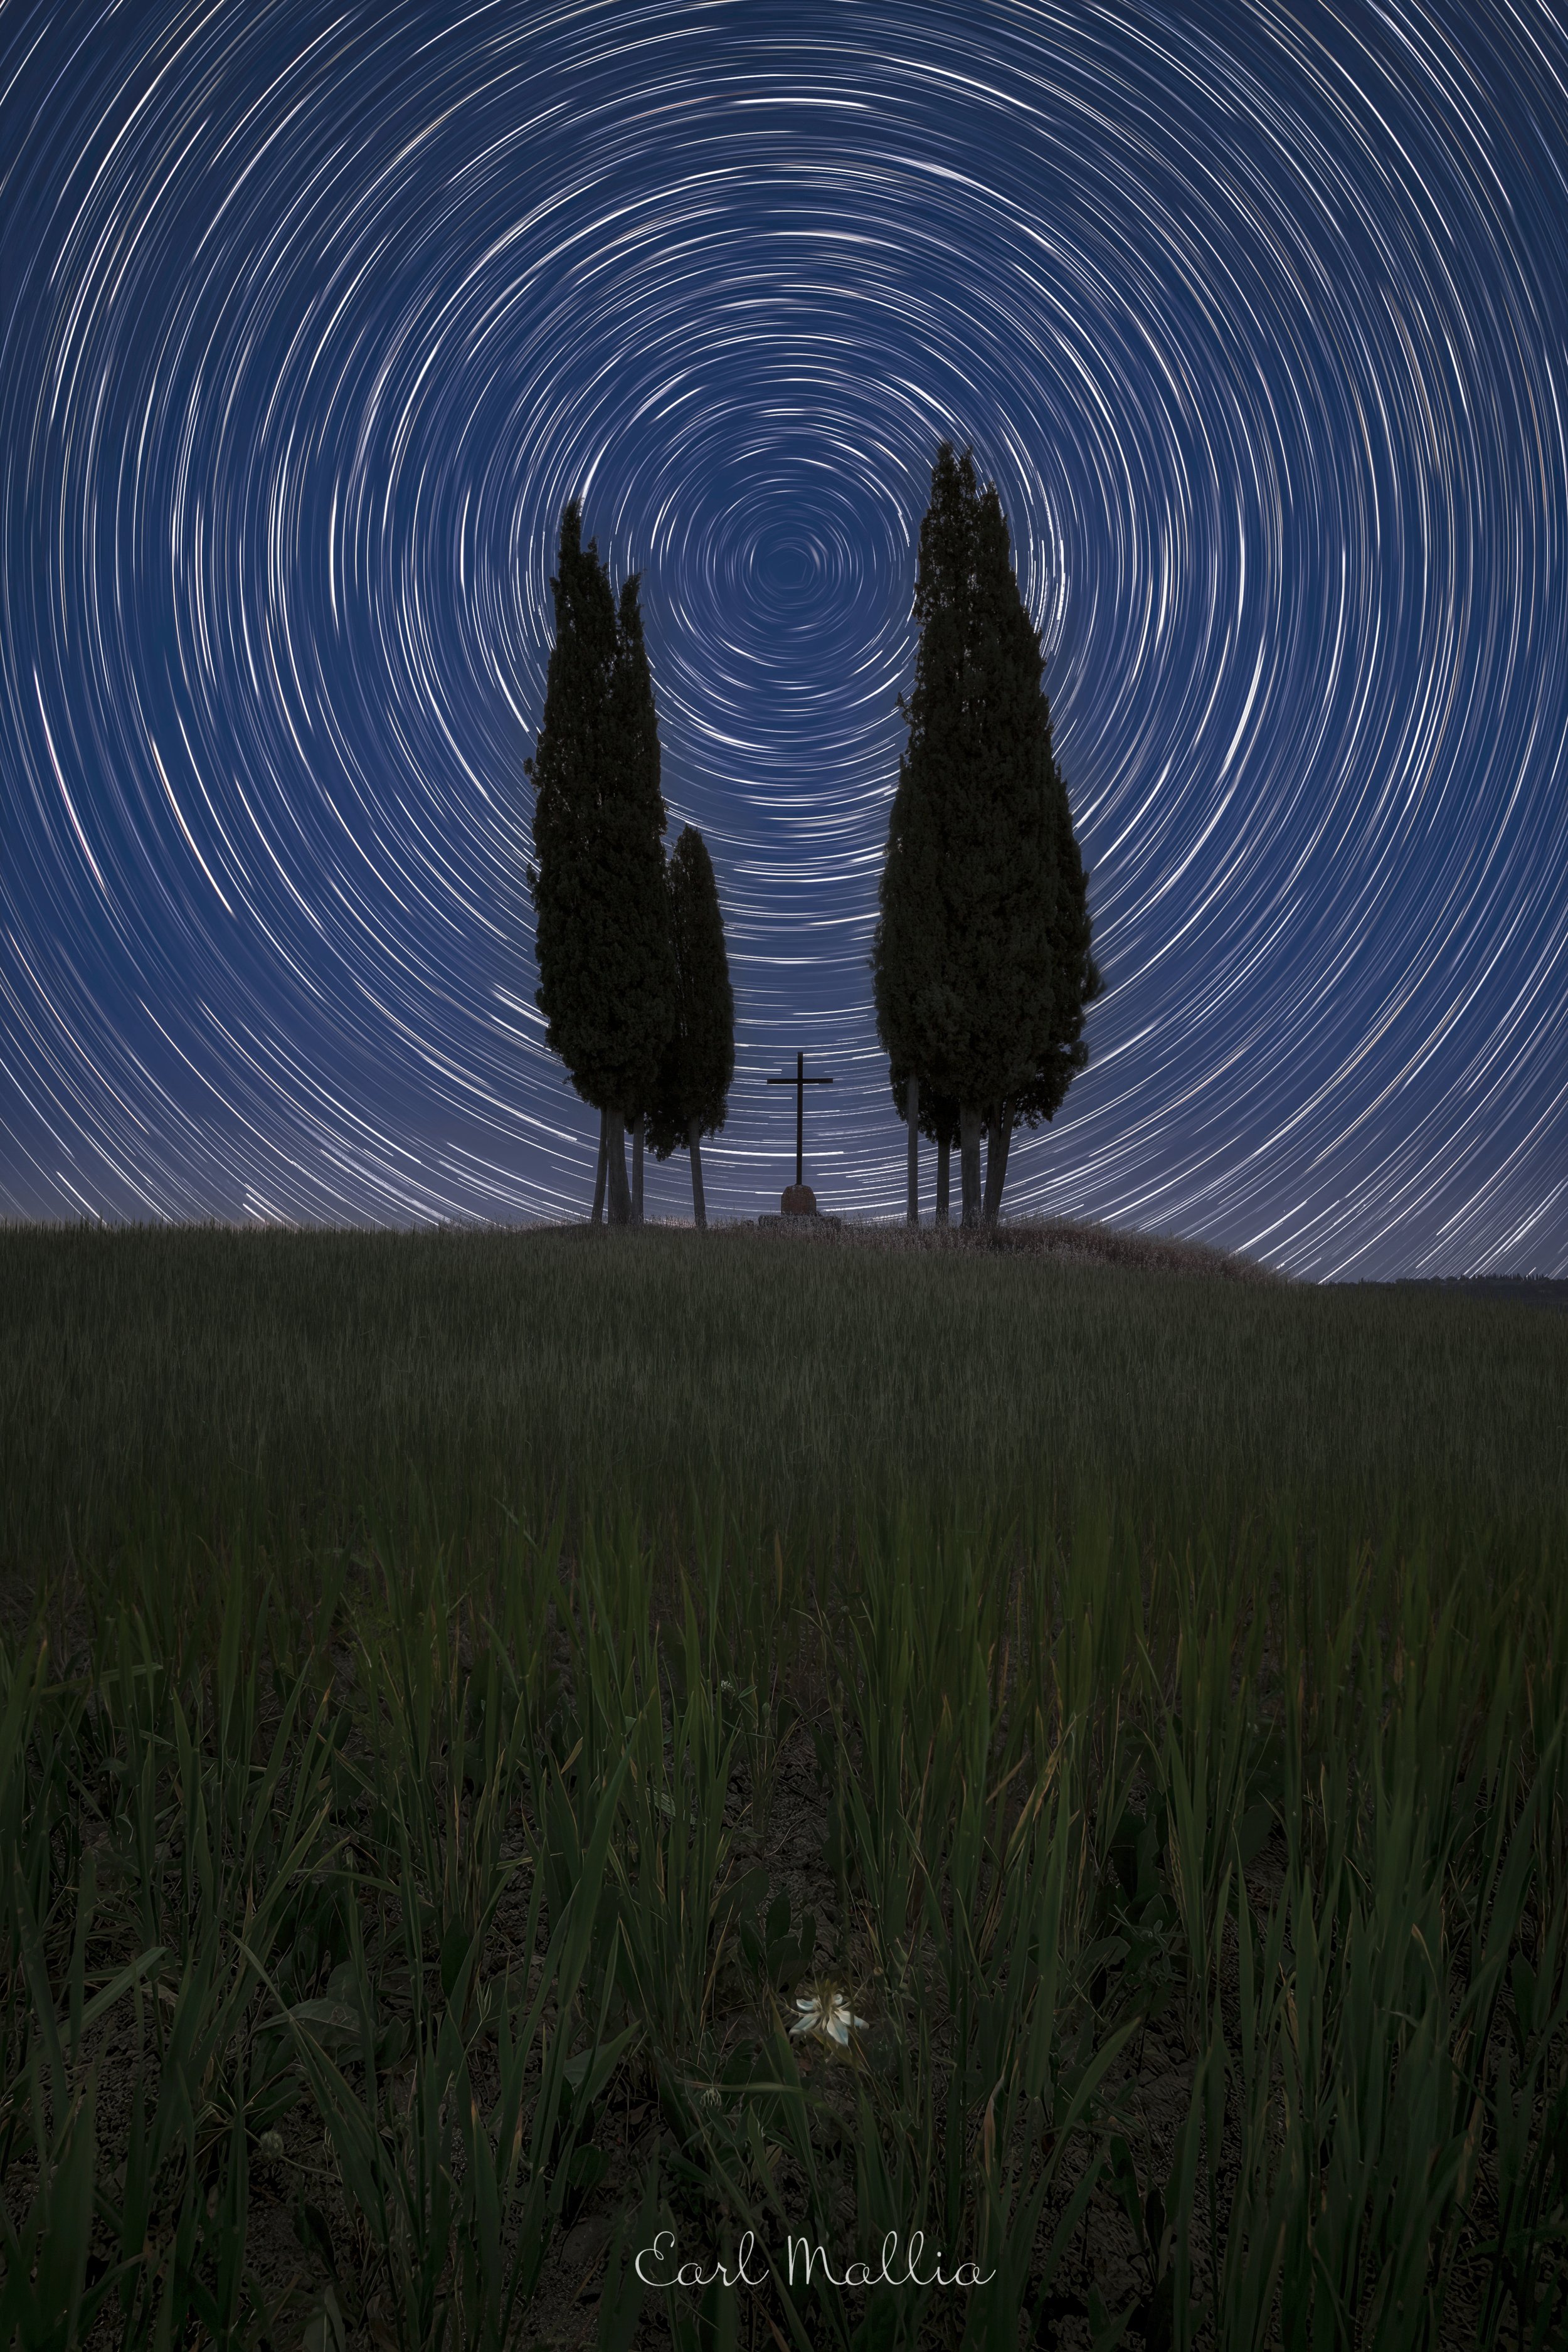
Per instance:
x=826, y=2012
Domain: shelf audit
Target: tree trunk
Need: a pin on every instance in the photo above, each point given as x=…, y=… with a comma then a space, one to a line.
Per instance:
x=912, y=1113
x=637, y=1168
x=943, y=1181
x=620, y=1199
x=998, y=1139
x=970, y=1124
x=598, y=1215
x=699, y=1205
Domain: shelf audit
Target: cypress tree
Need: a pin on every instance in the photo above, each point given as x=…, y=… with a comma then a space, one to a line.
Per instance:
x=606, y=965
x=690, y=1101
x=913, y=951
x=964, y=950
x=1006, y=852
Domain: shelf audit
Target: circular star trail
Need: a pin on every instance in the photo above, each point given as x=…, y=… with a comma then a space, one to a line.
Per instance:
x=313, y=319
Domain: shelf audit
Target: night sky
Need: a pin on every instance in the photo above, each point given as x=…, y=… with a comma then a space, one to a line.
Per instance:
x=314, y=320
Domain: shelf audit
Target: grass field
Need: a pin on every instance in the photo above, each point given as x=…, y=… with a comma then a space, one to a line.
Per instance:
x=461, y=1693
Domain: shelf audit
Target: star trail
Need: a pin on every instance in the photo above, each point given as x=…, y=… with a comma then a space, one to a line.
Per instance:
x=311, y=320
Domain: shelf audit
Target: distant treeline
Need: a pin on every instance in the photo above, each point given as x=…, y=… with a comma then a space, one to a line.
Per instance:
x=981, y=963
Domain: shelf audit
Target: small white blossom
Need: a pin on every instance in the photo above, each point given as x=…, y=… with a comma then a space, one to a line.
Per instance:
x=826, y=2012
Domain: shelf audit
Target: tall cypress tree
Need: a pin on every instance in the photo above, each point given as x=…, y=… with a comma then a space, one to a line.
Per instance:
x=1008, y=852
x=913, y=952
x=606, y=964
x=690, y=1101
x=964, y=954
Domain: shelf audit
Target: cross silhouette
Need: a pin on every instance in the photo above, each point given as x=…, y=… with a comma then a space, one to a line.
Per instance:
x=800, y=1083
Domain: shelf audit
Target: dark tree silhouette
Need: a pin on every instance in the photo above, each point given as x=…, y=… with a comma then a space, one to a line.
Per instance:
x=607, y=963
x=689, y=1100
x=913, y=953
x=978, y=994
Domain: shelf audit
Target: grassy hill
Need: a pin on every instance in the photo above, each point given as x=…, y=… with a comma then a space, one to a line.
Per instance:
x=464, y=1698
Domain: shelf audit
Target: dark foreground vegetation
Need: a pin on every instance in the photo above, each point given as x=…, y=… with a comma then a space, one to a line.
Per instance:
x=459, y=1695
